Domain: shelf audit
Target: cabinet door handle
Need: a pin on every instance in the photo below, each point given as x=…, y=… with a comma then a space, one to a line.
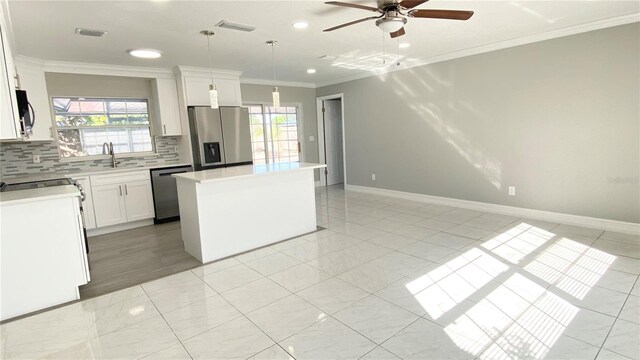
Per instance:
x=120, y=188
x=164, y=127
x=126, y=190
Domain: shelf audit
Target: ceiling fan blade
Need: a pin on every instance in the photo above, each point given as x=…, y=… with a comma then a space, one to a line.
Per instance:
x=410, y=4
x=351, y=23
x=397, y=33
x=356, y=6
x=441, y=14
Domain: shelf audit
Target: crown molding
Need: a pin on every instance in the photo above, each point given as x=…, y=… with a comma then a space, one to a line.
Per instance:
x=103, y=69
x=567, y=31
x=206, y=72
x=277, y=83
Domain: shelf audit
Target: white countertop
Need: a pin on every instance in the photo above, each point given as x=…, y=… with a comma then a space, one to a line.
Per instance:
x=98, y=171
x=47, y=193
x=228, y=173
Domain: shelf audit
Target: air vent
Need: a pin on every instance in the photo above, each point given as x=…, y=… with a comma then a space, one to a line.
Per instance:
x=91, y=32
x=235, y=26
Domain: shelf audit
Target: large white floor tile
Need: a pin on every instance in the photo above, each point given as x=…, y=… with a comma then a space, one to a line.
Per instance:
x=237, y=339
x=328, y=339
x=332, y=295
x=273, y=263
x=274, y=352
x=299, y=277
x=200, y=316
x=427, y=251
x=568, y=348
x=631, y=309
x=379, y=353
x=286, y=317
x=177, y=290
x=175, y=352
x=425, y=340
x=370, y=277
x=624, y=339
x=375, y=318
x=215, y=267
x=255, y=295
x=590, y=326
x=230, y=278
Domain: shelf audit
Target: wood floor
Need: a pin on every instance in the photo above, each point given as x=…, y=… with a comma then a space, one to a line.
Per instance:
x=127, y=258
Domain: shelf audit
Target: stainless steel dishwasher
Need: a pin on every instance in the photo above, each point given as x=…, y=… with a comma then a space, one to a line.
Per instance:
x=165, y=193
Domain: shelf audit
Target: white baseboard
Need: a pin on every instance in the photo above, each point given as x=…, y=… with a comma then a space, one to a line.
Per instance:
x=119, y=227
x=568, y=219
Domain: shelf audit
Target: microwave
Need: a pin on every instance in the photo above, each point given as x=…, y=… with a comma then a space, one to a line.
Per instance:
x=26, y=113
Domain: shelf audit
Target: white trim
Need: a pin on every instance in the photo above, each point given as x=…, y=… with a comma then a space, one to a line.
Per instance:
x=277, y=83
x=119, y=227
x=107, y=70
x=206, y=72
x=320, y=124
x=553, y=34
x=569, y=219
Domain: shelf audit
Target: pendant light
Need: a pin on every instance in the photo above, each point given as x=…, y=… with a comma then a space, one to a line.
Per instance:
x=213, y=91
x=275, y=94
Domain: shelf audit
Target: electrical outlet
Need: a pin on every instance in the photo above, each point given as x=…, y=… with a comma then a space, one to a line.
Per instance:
x=36, y=159
x=512, y=191
x=175, y=149
x=373, y=177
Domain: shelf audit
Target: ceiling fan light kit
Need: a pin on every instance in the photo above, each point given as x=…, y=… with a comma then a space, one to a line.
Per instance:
x=394, y=14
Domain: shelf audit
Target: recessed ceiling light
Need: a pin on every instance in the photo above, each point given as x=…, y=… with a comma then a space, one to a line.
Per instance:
x=301, y=25
x=311, y=71
x=404, y=45
x=145, y=53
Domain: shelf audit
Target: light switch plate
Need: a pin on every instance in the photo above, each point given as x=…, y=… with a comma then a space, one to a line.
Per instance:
x=312, y=138
x=36, y=159
x=512, y=191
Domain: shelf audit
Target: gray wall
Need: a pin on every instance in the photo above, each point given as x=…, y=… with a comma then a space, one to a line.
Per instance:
x=558, y=119
x=305, y=96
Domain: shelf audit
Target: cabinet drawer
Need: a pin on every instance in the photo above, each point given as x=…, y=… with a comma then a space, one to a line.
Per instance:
x=120, y=177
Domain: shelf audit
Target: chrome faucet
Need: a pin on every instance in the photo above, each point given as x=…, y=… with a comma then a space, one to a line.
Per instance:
x=108, y=148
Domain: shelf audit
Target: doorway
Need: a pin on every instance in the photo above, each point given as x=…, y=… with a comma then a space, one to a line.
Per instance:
x=331, y=139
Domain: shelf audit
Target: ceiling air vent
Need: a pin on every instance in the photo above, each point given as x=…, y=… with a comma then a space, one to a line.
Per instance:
x=91, y=32
x=235, y=26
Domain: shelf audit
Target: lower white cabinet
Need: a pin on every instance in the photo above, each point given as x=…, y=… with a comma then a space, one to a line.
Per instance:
x=121, y=198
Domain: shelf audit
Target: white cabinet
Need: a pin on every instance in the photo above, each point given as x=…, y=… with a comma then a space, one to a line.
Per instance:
x=167, y=114
x=122, y=197
x=197, y=91
x=87, y=204
x=31, y=78
x=9, y=118
x=109, y=205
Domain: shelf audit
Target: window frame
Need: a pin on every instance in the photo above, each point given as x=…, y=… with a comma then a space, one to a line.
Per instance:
x=55, y=128
x=299, y=125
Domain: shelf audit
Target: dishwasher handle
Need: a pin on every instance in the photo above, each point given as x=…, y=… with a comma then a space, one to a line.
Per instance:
x=171, y=173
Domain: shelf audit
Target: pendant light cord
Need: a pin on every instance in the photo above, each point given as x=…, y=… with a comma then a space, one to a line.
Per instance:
x=209, y=56
x=273, y=63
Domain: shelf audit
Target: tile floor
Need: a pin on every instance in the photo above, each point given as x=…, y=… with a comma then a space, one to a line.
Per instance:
x=388, y=279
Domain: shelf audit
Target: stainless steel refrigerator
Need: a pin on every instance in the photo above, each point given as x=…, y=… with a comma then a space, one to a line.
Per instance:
x=220, y=137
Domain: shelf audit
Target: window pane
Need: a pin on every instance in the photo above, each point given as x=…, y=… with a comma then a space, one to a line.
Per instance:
x=69, y=142
x=124, y=122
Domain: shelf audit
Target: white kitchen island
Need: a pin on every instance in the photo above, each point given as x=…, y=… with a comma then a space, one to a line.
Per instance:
x=231, y=210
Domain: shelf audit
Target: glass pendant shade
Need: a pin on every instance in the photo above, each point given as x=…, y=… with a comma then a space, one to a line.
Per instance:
x=213, y=96
x=276, y=97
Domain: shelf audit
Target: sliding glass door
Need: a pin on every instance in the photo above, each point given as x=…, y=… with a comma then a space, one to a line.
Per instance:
x=274, y=134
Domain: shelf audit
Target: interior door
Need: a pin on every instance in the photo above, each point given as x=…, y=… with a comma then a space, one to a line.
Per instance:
x=333, y=141
x=138, y=200
x=108, y=204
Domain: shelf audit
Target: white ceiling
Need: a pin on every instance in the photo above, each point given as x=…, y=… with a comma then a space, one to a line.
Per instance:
x=45, y=30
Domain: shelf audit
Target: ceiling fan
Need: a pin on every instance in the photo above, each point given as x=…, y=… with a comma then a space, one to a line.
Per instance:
x=393, y=14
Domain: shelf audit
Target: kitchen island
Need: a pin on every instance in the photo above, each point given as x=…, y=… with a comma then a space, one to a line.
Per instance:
x=231, y=210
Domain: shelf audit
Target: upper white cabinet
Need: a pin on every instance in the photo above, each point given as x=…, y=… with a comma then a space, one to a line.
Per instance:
x=167, y=111
x=9, y=118
x=31, y=78
x=195, y=86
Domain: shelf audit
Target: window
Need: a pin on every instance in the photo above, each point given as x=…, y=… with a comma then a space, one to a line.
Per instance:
x=274, y=134
x=83, y=125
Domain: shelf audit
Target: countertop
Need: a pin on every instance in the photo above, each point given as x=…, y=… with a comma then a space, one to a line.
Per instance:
x=47, y=193
x=58, y=175
x=207, y=176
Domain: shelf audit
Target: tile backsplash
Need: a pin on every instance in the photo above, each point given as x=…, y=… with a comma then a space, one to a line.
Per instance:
x=16, y=159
